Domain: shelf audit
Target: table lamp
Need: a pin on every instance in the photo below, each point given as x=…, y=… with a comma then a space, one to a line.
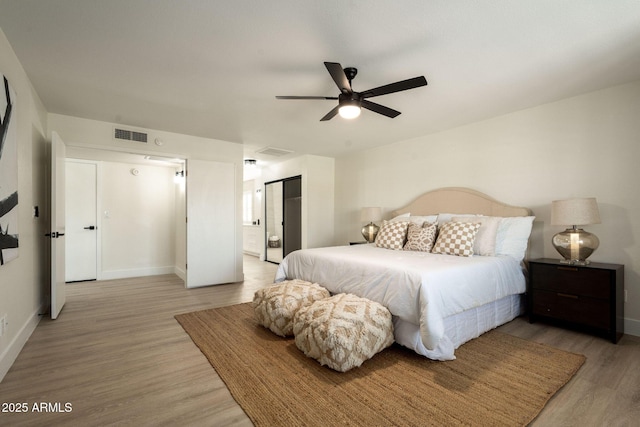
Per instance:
x=574, y=244
x=370, y=230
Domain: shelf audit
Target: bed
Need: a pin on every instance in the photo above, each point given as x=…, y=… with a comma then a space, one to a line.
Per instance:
x=470, y=279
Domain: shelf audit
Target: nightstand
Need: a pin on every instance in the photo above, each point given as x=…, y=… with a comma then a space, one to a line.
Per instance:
x=587, y=297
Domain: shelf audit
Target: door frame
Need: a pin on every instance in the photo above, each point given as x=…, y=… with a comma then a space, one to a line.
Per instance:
x=282, y=240
x=114, y=155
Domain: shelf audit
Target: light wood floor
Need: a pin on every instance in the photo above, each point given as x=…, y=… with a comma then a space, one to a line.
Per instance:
x=118, y=356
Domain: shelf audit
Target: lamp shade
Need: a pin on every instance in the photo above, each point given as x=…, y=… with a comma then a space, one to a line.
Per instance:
x=371, y=214
x=575, y=212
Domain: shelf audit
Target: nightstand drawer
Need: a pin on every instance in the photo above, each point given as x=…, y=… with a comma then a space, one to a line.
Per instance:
x=572, y=308
x=572, y=280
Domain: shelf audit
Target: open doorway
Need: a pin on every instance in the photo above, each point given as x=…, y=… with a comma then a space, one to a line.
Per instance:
x=125, y=215
x=283, y=218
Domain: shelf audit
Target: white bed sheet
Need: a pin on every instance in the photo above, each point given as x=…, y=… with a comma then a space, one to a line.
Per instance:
x=418, y=288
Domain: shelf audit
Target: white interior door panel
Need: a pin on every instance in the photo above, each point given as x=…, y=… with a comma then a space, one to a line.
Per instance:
x=57, y=233
x=211, y=223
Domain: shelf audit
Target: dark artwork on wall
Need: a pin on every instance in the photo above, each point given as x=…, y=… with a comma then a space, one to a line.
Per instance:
x=8, y=175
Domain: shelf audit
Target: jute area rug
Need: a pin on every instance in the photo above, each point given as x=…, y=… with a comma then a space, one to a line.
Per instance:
x=496, y=380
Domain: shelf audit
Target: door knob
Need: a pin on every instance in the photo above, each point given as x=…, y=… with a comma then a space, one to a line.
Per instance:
x=91, y=227
x=54, y=234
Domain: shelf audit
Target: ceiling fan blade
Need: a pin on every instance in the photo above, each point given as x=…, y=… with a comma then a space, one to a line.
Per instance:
x=380, y=109
x=306, y=97
x=331, y=114
x=395, y=87
x=338, y=76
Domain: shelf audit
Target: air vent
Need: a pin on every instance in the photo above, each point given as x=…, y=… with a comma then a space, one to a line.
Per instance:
x=129, y=135
x=271, y=151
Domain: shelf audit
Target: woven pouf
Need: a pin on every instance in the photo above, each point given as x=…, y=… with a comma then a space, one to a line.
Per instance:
x=343, y=331
x=276, y=305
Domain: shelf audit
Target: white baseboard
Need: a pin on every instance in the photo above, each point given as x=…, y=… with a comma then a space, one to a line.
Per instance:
x=180, y=272
x=135, y=272
x=10, y=354
x=632, y=327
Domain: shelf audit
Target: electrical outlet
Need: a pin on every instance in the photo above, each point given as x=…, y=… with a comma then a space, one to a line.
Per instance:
x=3, y=324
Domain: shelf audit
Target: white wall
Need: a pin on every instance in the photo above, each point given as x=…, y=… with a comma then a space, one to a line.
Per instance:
x=586, y=146
x=23, y=281
x=84, y=133
x=139, y=231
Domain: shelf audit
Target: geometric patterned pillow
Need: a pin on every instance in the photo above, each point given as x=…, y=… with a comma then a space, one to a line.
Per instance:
x=420, y=238
x=456, y=238
x=392, y=235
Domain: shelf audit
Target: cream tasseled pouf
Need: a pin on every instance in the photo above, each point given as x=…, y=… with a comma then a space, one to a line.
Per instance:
x=343, y=331
x=276, y=305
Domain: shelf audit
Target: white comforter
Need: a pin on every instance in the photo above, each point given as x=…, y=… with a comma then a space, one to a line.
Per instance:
x=418, y=287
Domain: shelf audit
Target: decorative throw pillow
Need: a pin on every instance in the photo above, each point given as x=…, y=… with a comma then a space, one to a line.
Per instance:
x=420, y=238
x=275, y=306
x=485, y=242
x=456, y=238
x=343, y=331
x=392, y=235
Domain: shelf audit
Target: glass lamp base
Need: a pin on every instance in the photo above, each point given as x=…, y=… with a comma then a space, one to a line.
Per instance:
x=370, y=231
x=575, y=245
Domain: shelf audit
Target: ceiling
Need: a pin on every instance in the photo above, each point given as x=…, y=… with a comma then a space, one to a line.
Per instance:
x=212, y=68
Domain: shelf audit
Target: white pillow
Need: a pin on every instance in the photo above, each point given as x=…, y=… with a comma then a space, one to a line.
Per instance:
x=401, y=217
x=420, y=220
x=446, y=217
x=512, y=237
x=485, y=242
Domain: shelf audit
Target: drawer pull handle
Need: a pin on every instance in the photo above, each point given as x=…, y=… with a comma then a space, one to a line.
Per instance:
x=567, y=295
x=567, y=268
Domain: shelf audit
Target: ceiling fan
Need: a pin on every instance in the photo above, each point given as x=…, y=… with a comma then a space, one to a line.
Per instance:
x=350, y=102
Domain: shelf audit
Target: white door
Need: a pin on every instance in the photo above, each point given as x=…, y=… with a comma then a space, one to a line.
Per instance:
x=57, y=225
x=81, y=224
x=211, y=223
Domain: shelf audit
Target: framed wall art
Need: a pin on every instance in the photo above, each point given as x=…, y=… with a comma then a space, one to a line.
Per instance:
x=8, y=174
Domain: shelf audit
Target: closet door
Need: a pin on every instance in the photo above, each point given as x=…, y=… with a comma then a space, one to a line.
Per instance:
x=292, y=195
x=283, y=217
x=273, y=220
x=211, y=223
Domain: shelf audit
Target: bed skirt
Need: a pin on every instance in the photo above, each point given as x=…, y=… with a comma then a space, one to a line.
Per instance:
x=460, y=327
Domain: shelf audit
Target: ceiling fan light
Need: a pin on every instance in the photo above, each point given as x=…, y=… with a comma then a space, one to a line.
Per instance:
x=349, y=111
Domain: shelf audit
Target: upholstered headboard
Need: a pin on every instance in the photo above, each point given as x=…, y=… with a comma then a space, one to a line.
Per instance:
x=458, y=200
